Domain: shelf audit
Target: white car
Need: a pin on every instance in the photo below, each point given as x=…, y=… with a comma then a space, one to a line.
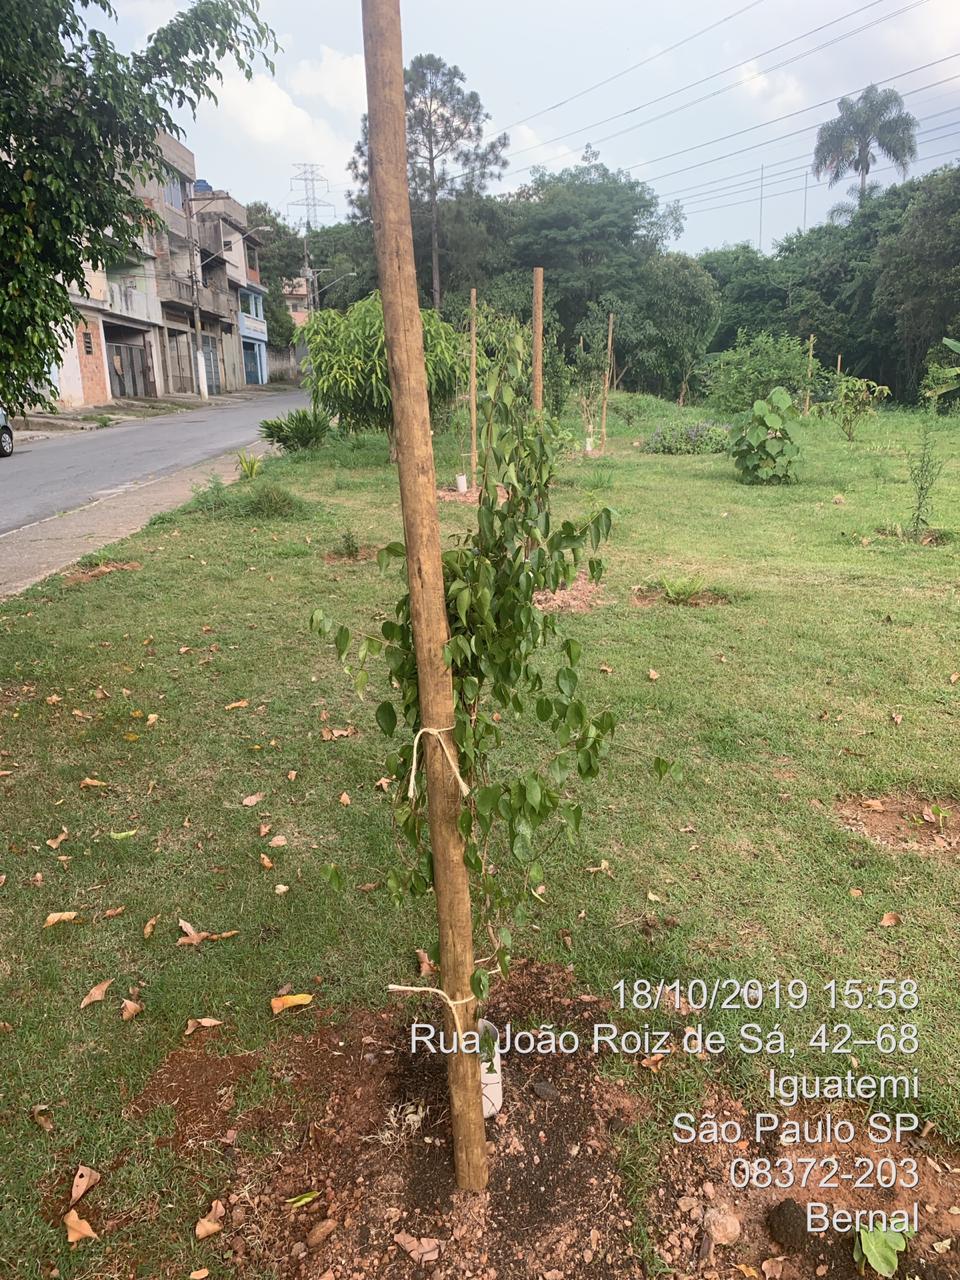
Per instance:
x=6, y=436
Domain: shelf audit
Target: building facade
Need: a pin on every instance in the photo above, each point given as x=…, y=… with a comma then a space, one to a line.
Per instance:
x=185, y=316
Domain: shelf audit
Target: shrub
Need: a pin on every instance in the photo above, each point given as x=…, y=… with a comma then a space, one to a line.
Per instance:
x=261, y=499
x=854, y=400
x=681, y=437
x=296, y=430
x=249, y=465
x=762, y=449
x=346, y=364
x=758, y=363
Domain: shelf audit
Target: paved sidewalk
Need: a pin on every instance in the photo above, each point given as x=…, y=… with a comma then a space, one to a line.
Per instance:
x=33, y=552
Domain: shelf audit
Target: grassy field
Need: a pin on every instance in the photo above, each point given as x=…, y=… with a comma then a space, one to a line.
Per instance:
x=826, y=674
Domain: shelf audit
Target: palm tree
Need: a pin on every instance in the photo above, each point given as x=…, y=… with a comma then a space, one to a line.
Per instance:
x=877, y=119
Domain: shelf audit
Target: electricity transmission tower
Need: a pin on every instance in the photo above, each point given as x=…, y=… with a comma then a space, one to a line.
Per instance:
x=310, y=178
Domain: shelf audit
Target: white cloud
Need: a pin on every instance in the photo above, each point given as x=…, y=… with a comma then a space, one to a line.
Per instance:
x=780, y=91
x=336, y=78
x=267, y=115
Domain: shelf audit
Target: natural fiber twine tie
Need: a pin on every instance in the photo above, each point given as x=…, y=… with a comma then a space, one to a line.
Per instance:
x=451, y=760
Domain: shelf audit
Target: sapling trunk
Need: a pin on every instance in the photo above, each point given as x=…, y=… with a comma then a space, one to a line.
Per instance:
x=393, y=240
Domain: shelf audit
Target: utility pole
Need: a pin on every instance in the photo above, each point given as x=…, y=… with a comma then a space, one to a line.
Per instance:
x=760, y=236
x=806, y=176
x=537, y=390
x=393, y=240
x=200, y=368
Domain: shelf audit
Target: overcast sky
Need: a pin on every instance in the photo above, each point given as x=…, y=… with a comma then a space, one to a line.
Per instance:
x=525, y=56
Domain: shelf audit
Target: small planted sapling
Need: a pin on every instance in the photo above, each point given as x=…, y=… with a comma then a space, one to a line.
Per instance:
x=763, y=451
x=854, y=400
x=880, y=1249
x=509, y=819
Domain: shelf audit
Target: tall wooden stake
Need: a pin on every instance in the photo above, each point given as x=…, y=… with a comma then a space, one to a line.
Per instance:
x=806, y=399
x=473, y=388
x=839, y=361
x=538, y=339
x=606, y=384
x=393, y=240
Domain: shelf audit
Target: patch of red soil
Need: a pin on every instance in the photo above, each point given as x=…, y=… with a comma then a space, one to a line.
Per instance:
x=450, y=493
x=100, y=571
x=694, y=1182
x=582, y=596
x=647, y=597
x=200, y=1087
x=904, y=822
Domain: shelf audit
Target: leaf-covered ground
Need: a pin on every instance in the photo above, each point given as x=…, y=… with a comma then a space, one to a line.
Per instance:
x=191, y=689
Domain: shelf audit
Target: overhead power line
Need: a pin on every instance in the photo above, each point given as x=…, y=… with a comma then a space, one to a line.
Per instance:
x=644, y=62
x=952, y=151
x=694, y=84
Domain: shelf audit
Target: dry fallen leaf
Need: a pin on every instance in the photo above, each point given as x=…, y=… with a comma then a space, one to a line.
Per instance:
x=279, y=1003
x=942, y=1246
x=266, y=862
x=772, y=1268
x=890, y=918
x=53, y=699
x=96, y=993
x=149, y=927
x=191, y=936
x=129, y=1010
x=56, y=841
x=196, y=1024
x=278, y=842
x=235, y=706
x=265, y=828
x=344, y=799
x=281, y=889
x=875, y=806
x=954, y=677
x=856, y=893
x=249, y=801
x=91, y=782
x=383, y=784
x=59, y=917
x=83, y=1180
x=653, y=675
x=896, y=717
x=426, y=964
x=292, y=775
x=421, y=1249
x=112, y=912
x=152, y=719
x=78, y=1228
x=212, y=1223
x=200, y=1274
x=606, y=669
x=42, y=1117
x=602, y=869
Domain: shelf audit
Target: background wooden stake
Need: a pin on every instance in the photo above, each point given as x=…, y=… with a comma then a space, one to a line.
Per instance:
x=806, y=399
x=606, y=383
x=538, y=339
x=393, y=240
x=473, y=388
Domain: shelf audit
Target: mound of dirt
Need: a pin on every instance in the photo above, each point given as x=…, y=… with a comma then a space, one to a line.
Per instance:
x=904, y=822
x=77, y=576
x=582, y=596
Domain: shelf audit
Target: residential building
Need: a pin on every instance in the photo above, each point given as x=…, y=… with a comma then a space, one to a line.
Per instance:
x=296, y=294
x=230, y=249
x=194, y=284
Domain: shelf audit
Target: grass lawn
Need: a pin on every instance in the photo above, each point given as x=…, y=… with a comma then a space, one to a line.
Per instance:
x=826, y=675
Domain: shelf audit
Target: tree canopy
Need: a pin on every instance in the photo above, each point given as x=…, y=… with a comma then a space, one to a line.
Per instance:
x=877, y=119
x=78, y=129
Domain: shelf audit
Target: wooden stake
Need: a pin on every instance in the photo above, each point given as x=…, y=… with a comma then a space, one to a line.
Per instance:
x=839, y=359
x=393, y=240
x=606, y=384
x=806, y=400
x=473, y=388
x=538, y=339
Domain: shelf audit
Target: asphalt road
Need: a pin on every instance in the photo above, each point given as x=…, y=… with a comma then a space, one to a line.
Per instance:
x=46, y=477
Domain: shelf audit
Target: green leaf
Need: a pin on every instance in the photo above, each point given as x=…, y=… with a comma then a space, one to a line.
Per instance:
x=534, y=794
x=487, y=798
x=480, y=983
x=567, y=681
x=387, y=718
x=333, y=875
x=297, y=1202
x=342, y=641
x=881, y=1249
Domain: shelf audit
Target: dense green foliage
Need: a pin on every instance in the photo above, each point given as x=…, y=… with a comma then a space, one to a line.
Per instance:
x=346, y=365
x=762, y=448
x=298, y=429
x=755, y=365
x=78, y=130
x=853, y=401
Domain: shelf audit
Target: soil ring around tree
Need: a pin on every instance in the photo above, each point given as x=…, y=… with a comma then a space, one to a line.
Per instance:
x=905, y=822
